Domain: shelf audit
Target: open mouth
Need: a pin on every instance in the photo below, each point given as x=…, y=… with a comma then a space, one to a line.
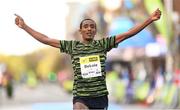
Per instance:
x=89, y=34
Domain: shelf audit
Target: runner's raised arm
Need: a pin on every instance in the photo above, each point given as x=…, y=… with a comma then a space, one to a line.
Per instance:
x=153, y=17
x=37, y=35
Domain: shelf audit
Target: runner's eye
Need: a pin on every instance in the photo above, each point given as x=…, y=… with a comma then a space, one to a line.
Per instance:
x=85, y=26
x=92, y=26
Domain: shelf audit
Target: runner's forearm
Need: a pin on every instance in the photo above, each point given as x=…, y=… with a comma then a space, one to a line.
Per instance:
x=37, y=35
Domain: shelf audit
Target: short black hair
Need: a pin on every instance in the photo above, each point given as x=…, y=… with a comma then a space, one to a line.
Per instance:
x=85, y=20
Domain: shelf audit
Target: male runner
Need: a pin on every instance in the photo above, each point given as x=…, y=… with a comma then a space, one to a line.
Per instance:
x=88, y=59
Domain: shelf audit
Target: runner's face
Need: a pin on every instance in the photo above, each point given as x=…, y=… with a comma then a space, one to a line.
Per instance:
x=88, y=30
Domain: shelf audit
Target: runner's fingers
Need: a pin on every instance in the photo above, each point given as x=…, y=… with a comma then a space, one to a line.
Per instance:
x=158, y=13
x=16, y=15
x=16, y=21
x=19, y=17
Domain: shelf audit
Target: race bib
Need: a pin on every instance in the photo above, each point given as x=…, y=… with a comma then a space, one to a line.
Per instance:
x=90, y=66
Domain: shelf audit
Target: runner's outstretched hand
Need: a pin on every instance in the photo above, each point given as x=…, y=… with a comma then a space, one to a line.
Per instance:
x=156, y=15
x=19, y=21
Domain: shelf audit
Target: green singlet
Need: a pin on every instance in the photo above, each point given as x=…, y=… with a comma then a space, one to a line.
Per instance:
x=88, y=62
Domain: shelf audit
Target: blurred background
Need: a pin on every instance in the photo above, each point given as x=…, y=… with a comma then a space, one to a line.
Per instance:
x=142, y=73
